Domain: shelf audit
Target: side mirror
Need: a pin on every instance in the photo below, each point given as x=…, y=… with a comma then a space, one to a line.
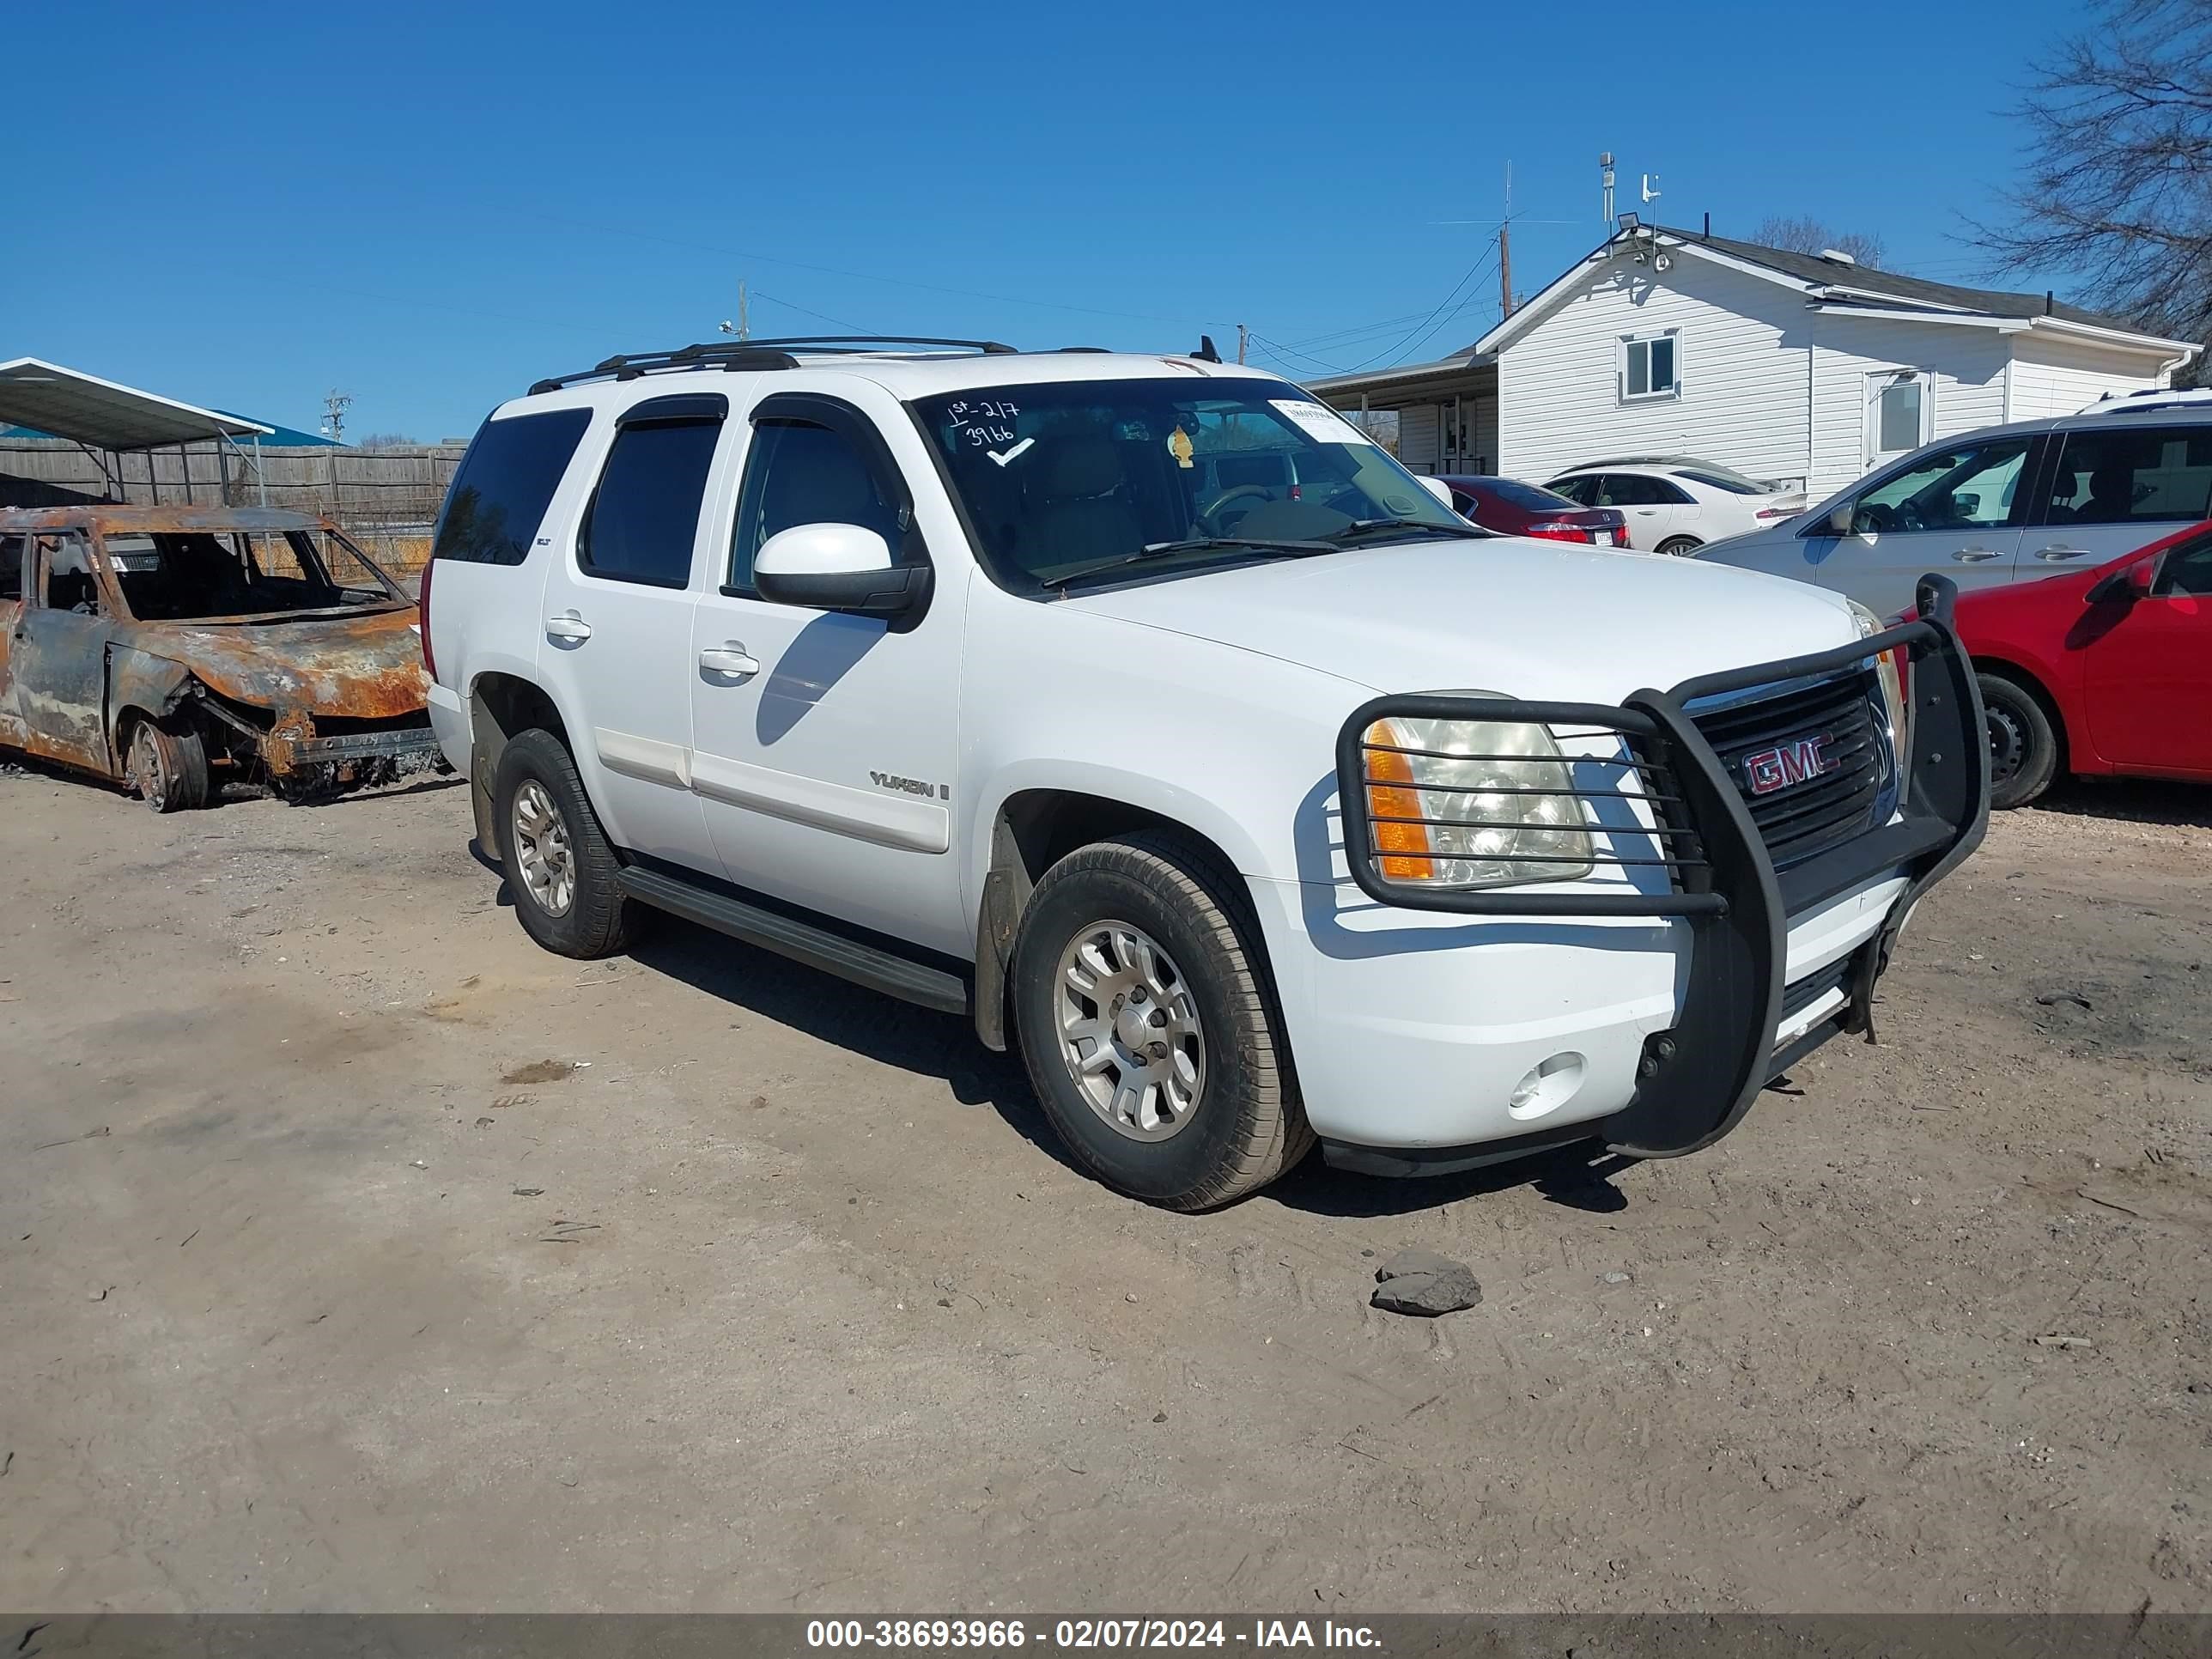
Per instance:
x=1438, y=488
x=1840, y=518
x=838, y=567
x=2128, y=583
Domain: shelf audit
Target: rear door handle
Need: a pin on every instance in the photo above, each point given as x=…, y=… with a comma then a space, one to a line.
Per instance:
x=730, y=659
x=567, y=626
x=1976, y=555
x=2053, y=555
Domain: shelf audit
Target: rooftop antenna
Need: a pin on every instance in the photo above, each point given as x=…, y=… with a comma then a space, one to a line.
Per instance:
x=1650, y=190
x=1605, y=184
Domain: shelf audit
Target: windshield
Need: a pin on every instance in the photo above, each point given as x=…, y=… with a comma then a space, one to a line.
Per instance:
x=202, y=574
x=1062, y=480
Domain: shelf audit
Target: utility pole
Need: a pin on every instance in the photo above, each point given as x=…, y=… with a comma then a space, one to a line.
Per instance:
x=1242, y=333
x=744, y=322
x=335, y=403
x=1505, y=250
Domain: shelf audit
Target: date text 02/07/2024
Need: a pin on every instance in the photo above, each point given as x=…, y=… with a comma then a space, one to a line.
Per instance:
x=1085, y=1633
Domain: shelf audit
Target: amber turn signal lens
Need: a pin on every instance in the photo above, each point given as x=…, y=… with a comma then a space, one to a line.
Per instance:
x=1404, y=848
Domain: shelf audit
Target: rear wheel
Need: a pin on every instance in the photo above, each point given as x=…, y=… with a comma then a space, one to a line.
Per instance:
x=2023, y=743
x=1678, y=547
x=168, y=767
x=560, y=867
x=1146, y=1024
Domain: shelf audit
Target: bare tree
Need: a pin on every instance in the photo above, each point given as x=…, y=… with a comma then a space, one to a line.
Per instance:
x=2118, y=186
x=1801, y=233
x=385, y=440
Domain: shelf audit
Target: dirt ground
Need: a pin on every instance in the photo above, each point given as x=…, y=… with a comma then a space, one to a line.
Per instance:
x=359, y=1255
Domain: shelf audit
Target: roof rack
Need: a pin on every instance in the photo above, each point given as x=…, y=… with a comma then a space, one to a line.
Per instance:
x=740, y=354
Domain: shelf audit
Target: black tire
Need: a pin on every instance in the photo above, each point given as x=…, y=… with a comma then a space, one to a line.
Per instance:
x=2024, y=747
x=167, y=765
x=598, y=919
x=1245, y=1124
x=1678, y=547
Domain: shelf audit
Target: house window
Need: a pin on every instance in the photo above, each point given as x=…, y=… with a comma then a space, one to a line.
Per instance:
x=1900, y=416
x=1651, y=367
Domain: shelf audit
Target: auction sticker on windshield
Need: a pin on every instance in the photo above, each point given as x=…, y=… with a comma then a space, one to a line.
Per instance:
x=1323, y=425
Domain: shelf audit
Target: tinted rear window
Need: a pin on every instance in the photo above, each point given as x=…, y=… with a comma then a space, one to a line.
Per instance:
x=645, y=514
x=1735, y=486
x=2121, y=475
x=1514, y=493
x=500, y=495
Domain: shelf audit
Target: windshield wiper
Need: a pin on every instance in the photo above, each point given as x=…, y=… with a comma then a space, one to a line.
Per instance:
x=1195, y=544
x=1360, y=526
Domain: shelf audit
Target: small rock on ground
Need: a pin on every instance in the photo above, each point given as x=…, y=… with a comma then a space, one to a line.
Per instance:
x=1424, y=1283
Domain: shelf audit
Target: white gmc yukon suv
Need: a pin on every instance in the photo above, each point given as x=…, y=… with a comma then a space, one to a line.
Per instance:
x=1143, y=710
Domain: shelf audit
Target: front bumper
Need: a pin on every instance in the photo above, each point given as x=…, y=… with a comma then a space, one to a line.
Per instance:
x=1776, y=962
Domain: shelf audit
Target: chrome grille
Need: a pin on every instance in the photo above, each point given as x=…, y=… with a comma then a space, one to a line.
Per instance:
x=1800, y=818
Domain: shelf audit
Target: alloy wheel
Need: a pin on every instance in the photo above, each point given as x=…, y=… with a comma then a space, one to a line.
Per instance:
x=1129, y=1031
x=542, y=849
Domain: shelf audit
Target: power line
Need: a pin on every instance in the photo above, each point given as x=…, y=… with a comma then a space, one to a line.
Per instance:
x=1434, y=321
x=878, y=276
x=1349, y=337
x=818, y=316
x=1277, y=350
x=1381, y=325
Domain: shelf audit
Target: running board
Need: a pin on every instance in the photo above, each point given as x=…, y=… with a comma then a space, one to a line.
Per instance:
x=833, y=953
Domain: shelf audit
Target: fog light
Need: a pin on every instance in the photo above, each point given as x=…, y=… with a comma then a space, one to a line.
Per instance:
x=1548, y=1086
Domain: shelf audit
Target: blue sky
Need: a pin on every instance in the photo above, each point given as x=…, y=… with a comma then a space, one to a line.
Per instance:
x=429, y=207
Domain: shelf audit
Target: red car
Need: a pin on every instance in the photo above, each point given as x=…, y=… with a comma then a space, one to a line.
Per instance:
x=2106, y=671
x=1513, y=508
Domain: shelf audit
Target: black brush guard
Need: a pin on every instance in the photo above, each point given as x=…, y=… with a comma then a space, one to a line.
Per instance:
x=1697, y=1078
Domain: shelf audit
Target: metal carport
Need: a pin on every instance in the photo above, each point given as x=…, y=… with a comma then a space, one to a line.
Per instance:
x=108, y=420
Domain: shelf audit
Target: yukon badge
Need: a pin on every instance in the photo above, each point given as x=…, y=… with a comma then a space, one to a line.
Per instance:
x=1795, y=761
x=910, y=786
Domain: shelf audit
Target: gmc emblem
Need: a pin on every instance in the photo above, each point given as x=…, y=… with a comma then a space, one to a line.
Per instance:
x=1793, y=761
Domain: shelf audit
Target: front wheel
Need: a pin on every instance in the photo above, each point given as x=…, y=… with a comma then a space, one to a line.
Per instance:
x=1147, y=1022
x=1679, y=547
x=2023, y=744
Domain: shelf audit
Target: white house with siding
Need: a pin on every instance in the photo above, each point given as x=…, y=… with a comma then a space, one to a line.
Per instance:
x=1781, y=365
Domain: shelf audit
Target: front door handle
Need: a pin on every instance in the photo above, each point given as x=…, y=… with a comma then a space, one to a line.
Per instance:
x=1976, y=555
x=2053, y=555
x=728, y=658
x=567, y=626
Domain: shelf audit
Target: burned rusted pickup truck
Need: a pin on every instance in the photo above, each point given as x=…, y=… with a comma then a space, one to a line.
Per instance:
x=175, y=648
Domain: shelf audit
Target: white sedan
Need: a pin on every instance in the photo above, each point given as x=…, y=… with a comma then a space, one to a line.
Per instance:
x=1678, y=506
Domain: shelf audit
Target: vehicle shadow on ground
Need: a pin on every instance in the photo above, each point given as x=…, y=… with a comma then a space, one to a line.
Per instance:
x=2130, y=800
x=427, y=785
x=930, y=1044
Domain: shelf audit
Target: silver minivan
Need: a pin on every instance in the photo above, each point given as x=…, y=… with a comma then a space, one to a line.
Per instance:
x=2007, y=504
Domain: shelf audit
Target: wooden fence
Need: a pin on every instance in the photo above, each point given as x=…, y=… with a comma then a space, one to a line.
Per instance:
x=387, y=497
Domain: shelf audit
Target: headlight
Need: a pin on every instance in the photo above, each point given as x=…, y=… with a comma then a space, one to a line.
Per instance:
x=1464, y=804
x=1889, y=668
